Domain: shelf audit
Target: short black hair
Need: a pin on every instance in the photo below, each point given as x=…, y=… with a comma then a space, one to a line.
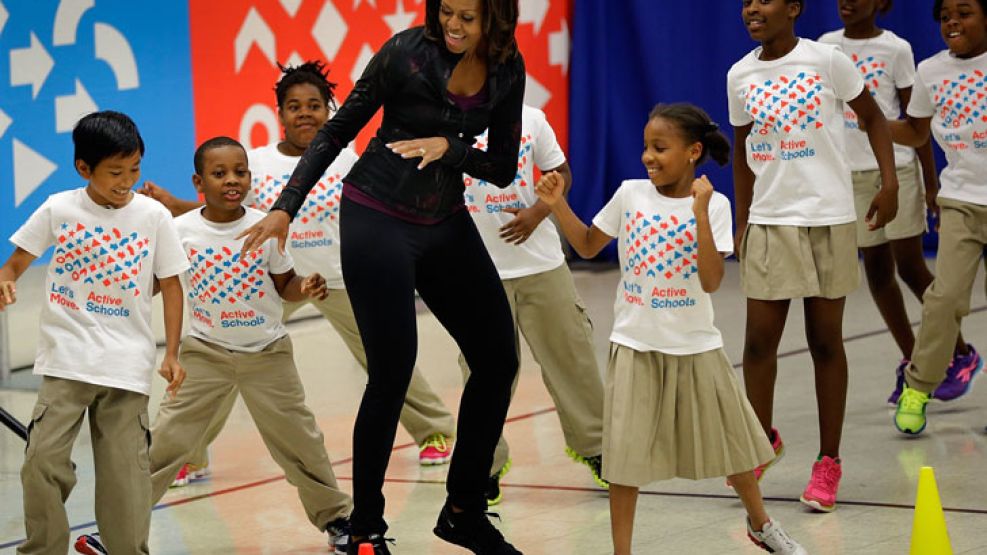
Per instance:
x=215, y=142
x=101, y=135
x=696, y=127
x=937, y=8
x=312, y=72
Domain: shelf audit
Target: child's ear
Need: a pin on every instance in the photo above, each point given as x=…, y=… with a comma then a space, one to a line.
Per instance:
x=197, y=182
x=794, y=9
x=83, y=170
x=696, y=150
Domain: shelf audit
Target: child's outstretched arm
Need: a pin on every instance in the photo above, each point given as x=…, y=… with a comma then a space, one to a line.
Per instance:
x=295, y=288
x=743, y=183
x=16, y=265
x=175, y=205
x=884, y=207
x=587, y=241
x=171, y=297
x=710, y=261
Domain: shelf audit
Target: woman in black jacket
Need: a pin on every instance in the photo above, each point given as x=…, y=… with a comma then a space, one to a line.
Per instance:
x=404, y=226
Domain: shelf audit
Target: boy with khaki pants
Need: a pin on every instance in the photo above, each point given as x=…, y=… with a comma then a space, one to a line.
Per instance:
x=96, y=348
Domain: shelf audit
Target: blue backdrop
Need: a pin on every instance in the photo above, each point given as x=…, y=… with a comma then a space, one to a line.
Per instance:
x=71, y=57
x=629, y=55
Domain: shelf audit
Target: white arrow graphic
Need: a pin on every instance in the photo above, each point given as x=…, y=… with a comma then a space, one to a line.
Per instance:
x=67, y=20
x=5, y=122
x=30, y=170
x=291, y=6
x=30, y=66
x=535, y=94
x=70, y=108
x=114, y=49
x=400, y=19
x=558, y=47
x=329, y=30
x=533, y=11
x=3, y=16
x=254, y=31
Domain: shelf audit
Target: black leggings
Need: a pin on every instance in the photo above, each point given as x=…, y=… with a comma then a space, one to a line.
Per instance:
x=384, y=260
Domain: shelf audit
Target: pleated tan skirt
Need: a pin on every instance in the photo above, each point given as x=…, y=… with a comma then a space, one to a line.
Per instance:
x=668, y=416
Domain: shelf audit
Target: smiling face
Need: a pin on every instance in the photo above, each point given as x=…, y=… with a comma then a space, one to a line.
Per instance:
x=668, y=156
x=224, y=182
x=303, y=112
x=964, y=27
x=111, y=181
x=767, y=20
x=462, y=24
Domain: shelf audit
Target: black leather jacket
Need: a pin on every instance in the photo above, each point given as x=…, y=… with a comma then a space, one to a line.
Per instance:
x=408, y=77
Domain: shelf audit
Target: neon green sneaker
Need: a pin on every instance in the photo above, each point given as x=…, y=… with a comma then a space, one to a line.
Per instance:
x=595, y=465
x=909, y=417
x=494, y=494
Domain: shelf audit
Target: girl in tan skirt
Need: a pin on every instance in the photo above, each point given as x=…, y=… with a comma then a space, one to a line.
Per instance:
x=673, y=407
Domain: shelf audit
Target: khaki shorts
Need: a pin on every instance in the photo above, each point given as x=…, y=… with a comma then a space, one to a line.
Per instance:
x=910, y=221
x=780, y=262
x=668, y=416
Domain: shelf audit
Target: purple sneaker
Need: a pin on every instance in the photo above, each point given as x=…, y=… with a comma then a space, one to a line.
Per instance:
x=899, y=381
x=959, y=375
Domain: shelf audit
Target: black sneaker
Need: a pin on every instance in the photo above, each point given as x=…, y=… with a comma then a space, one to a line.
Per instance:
x=378, y=542
x=339, y=534
x=472, y=531
x=595, y=465
x=493, y=493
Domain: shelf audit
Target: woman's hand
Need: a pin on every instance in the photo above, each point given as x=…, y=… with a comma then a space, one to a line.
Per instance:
x=274, y=224
x=429, y=149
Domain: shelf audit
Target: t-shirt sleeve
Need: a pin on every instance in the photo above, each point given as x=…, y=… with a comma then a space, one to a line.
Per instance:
x=169, y=256
x=737, y=103
x=608, y=219
x=920, y=105
x=36, y=235
x=548, y=154
x=904, y=66
x=721, y=222
x=847, y=81
x=279, y=263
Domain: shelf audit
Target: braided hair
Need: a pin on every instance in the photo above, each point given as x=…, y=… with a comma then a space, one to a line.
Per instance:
x=697, y=127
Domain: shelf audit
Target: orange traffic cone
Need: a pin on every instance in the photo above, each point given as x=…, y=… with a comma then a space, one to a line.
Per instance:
x=929, y=535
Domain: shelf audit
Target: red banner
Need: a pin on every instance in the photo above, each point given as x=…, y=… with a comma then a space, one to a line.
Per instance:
x=235, y=47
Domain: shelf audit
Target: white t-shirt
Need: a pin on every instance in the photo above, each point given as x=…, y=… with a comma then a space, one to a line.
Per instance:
x=232, y=300
x=96, y=318
x=486, y=202
x=313, y=236
x=886, y=64
x=796, y=145
x=953, y=92
x=661, y=305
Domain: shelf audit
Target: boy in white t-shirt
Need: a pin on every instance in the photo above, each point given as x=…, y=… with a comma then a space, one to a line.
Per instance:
x=305, y=99
x=237, y=344
x=526, y=249
x=950, y=103
x=795, y=214
x=96, y=349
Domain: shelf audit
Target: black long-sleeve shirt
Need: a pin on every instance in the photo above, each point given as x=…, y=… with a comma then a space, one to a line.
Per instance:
x=408, y=78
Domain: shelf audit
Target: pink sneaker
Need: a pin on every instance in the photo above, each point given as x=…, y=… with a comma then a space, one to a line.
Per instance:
x=435, y=451
x=779, y=446
x=820, y=494
x=182, y=478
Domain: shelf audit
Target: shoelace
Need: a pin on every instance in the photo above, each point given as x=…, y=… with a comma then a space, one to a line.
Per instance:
x=782, y=537
x=911, y=401
x=436, y=440
x=830, y=477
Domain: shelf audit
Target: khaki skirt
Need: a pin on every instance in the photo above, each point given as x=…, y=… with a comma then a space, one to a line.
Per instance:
x=779, y=262
x=668, y=416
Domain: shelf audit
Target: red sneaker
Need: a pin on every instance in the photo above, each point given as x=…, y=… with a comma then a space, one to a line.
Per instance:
x=435, y=451
x=820, y=494
x=779, y=446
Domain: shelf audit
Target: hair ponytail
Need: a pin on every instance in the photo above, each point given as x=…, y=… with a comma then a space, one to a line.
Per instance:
x=697, y=127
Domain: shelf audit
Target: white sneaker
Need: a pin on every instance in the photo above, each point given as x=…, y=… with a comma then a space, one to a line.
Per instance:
x=774, y=539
